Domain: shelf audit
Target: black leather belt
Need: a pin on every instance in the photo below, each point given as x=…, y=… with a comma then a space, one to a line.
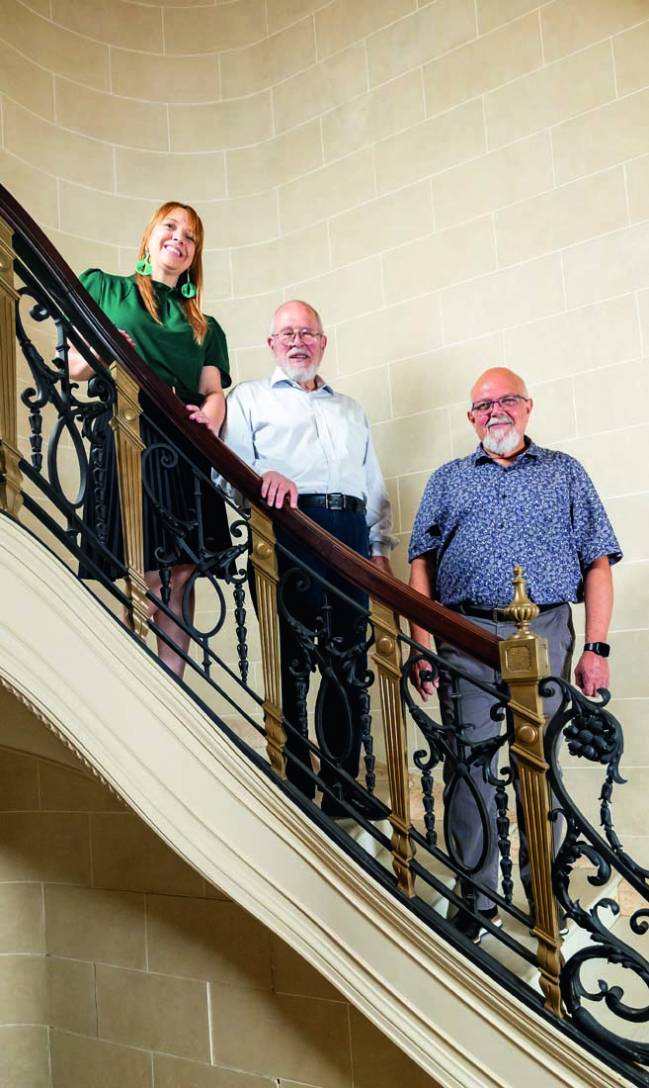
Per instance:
x=493, y=614
x=333, y=501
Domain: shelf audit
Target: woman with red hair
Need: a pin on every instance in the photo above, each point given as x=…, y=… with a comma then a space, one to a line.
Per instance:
x=158, y=308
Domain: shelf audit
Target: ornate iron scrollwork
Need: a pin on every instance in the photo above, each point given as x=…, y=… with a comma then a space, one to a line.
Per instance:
x=185, y=541
x=75, y=418
x=449, y=745
x=594, y=734
x=343, y=692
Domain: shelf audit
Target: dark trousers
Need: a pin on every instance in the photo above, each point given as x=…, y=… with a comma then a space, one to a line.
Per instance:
x=465, y=824
x=340, y=628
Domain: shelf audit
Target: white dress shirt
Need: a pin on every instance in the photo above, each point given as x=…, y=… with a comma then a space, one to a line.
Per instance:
x=320, y=440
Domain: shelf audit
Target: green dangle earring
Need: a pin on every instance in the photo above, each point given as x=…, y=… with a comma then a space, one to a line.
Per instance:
x=143, y=266
x=188, y=289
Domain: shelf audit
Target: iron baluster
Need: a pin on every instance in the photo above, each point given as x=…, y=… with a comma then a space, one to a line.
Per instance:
x=300, y=671
x=428, y=798
x=367, y=740
x=240, y=628
x=504, y=842
x=36, y=437
x=165, y=581
x=98, y=473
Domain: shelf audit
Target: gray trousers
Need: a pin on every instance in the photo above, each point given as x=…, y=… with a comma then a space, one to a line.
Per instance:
x=464, y=821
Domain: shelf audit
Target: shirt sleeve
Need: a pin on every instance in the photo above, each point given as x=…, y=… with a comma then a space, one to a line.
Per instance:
x=593, y=532
x=94, y=281
x=425, y=532
x=237, y=434
x=216, y=351
x=379, y=507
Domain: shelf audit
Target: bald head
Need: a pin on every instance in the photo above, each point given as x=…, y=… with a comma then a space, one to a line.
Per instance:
x=497, y=377
x=500, y=410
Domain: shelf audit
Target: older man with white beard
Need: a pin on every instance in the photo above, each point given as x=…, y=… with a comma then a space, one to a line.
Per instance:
x=312, y=446
x=509, y=502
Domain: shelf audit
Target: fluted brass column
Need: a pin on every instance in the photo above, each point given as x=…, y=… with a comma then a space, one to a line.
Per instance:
x=10, y=475
x=129, y=446
x=387, y=656
x=524, y=662
x=264, y=561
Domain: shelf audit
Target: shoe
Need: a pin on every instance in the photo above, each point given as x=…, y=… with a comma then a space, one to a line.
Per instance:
x=366, y=805
x=471, y=927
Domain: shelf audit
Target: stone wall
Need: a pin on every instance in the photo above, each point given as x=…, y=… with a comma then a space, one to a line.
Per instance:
x=121, y=968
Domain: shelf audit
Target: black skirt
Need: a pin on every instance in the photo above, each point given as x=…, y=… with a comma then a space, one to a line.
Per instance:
x=184, y=518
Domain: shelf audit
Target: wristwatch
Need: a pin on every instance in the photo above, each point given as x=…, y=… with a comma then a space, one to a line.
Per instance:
x=602, y=649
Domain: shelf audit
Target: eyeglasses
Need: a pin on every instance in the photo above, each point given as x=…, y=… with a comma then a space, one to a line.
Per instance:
x=509, y=401
x=286, y=336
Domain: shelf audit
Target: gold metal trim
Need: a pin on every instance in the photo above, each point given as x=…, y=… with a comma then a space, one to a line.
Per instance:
x=264, y=561
x=524, y=662
x=387, y=656
x=129, y=446
x=11, y=478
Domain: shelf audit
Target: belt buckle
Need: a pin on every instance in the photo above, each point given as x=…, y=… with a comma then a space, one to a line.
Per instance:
x=336, y=501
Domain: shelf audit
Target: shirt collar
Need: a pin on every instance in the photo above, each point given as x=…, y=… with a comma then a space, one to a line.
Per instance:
x=481, y=457
x=278, y=377
x=165, y=288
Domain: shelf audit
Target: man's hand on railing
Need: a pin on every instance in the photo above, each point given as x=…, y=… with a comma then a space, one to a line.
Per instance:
x=275, y=488
x=592, y=673
x=383, y=563
x=419, y=670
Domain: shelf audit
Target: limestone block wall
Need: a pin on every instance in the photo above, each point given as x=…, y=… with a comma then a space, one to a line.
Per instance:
x=454, y=184
x=121, y=967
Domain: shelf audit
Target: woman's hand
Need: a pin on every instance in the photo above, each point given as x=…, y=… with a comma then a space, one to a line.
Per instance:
x=197, y=415
x=127, y=336
x=212, y=412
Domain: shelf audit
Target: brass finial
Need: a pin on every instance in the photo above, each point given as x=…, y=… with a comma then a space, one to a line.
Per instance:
x=521, y=610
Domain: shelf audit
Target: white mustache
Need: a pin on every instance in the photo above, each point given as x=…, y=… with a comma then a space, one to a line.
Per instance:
x=496, y=421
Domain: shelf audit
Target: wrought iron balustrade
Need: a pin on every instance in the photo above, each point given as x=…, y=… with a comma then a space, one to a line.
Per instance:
x=265, y=605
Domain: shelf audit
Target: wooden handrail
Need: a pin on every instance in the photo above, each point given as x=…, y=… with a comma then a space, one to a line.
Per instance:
x=35, y=248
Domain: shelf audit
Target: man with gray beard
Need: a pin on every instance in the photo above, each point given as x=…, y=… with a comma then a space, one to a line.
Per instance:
x=509, y=502
x=312, y=447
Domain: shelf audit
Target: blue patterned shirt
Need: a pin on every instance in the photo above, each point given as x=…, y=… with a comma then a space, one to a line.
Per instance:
x=480, y=519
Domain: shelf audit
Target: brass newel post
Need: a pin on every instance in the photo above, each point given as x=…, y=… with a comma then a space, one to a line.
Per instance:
x=10, y=475
x=264, y=561
x=524, y=662
x=129, y=446
x=387, y=656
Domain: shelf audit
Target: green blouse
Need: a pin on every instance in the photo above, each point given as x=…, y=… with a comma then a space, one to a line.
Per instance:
x=169, y=349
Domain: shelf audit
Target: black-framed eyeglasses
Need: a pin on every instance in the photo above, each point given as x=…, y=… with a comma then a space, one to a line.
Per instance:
x=286, y=336
x=509, y=401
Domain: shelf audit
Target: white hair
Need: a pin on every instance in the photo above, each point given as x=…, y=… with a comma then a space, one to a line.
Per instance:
x=296, y=302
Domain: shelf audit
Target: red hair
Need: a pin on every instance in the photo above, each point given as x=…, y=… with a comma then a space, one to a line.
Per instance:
x=192, y=306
